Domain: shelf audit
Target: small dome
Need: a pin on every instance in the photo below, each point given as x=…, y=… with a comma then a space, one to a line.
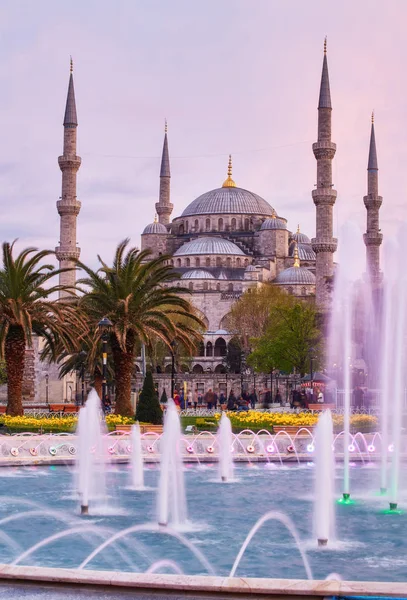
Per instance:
x=299, y=237
x=197, y=274
x=273, y=223
x=305, y=251
x=250, y=268
x=155, y=228
x=295, y=276
x=209, y=245
x=221, y=332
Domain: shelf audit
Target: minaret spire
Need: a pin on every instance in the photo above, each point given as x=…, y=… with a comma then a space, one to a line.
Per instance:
x=373, y=238
x=164, y=206
x=68, y=206
x=324, y=196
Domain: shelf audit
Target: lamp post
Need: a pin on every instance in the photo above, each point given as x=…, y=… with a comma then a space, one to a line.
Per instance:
x=82, y=355
x=104, y=327
x=172, y=368
x=311, y=369
x=46, y=388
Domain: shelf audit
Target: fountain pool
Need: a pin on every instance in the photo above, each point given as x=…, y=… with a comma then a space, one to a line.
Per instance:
x=39, y=502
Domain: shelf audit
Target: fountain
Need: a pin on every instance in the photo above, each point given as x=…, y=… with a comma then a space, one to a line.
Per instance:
x=137, y=471
x=225, y=441
x=324, y=515
x=171, y=489
x=91, y=480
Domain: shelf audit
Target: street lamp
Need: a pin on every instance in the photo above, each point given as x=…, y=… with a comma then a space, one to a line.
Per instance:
x=82, y=356
x=104, y=326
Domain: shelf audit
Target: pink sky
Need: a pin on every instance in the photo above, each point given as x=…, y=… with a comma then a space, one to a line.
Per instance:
x=231, y=76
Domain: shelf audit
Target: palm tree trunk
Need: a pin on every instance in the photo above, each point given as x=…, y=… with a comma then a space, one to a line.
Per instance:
x=15, y=357
x=97, y=383
x=123, y=370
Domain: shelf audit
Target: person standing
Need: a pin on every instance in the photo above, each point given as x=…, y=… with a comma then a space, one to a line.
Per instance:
x=215, y=400
x=209, y=398
x=196, y=399
x=253, y=399
x=278, y=399
x=231, y=405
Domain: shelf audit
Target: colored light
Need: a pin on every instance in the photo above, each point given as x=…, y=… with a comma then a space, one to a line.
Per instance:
x=310, y=448
x=391, y=448
x=190, y=449
x=371, y=448
x=270, y=448
x=351, y=448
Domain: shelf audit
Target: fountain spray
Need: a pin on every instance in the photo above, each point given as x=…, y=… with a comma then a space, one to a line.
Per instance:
x=137, y=470
x=324, y=514
x=225, y=441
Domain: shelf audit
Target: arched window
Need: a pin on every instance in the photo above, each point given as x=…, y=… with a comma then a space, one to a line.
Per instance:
x=197, y=262
x=218, y=287
x=186, y=226
x=172, y=263
x=184, y=369
x=220, y=224
x=233, y=225
x=197, y=369
x=181, y=229
x=208, y=261
x=208, y=224
x=246, y=262
x=246, y=224
x=230, y=287
x=218, y=261
x=228, y=262
x=290, y=290
x=188, y=262
x=205, y=285
x=201, y=349
x=303, y=291
x=168, y=369
x=220, y=369
x=196, y=225
x=191, y=286
x=220, y=347
x=178, y=262
x=238, y=262
x=209, y=349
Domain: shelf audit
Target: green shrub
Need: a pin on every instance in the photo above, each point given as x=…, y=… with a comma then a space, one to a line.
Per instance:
x=148, y=408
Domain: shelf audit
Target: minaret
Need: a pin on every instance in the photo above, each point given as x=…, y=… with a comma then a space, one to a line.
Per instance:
x=373, y=237
x=324, y=196
x=68, y=206
x=164, y=207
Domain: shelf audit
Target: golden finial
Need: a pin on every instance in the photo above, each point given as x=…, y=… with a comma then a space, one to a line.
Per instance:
x=155, y=218
x=71, y=64
x=165, y=126
x=274, y=215
x=298, y=228
x=229, y=181
x=325, y=40
x=296, y=257
x=372, y=117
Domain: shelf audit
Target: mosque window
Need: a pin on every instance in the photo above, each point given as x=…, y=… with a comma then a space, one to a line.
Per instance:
x=181, y=229
x=218, y=261
x=228, y=262
x=246, y=224
x=201, y=349
x=197, y=262
x=172, y=263
x=303, y=291
x=220, y=369
x=238, y=262
x=220, y=347
x=233, y=225
x=230, y=287
x=220, y=224
x=197, y=369
x=209, y=349
x=208, y=261
x=208, y=224
x=246, y=262
x=186, y=226
x=196, y=225
x=205, y=285
x=178, y=262
x=191, y=286
x=290, y=290
x=188, y=262
x=218, y=287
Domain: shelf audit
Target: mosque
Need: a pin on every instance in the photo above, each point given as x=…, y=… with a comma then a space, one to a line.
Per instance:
x=226, y=241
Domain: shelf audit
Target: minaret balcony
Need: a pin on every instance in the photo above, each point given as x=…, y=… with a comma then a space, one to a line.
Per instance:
x=323, y=244
x=69, y=162
x=371, y=201
x=67, y=207
x=65, y=253
x=324, y=149
x=324, y=196
x=373, y=238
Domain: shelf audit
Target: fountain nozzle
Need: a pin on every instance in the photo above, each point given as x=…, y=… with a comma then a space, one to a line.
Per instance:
x=322, y=542
x=224, y=479
x=162, y=524
x=383, y=491
x=84, y=509
x=346, y=496
x=393, y=505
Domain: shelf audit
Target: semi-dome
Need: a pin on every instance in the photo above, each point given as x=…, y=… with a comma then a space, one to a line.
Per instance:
x=273, y=223
x=229, y=200
x=209, y=245
x=295, y=276
x=305, y=251
x=197, y=274
x=155, y=228
x=250, y=268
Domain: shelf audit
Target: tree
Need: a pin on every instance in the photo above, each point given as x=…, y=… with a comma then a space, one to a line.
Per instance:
x=250, y=315
x=148, y=408
x=233, y=358
x=140, y=299
x=26, y=308
x=164, y=399
x=290, y=338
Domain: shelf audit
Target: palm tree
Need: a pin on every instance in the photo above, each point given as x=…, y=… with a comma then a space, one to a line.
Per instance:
x=26, y=307
x=139, y=298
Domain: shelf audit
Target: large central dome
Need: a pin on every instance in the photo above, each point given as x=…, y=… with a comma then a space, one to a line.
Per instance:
x=229, y=200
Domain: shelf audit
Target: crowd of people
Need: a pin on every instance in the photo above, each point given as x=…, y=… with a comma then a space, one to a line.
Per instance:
x=212, y=400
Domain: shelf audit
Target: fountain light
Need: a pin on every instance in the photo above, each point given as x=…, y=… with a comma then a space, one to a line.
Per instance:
x=371, y=448
x=210, y=449
x=190, y=449
x=150, y=449
x=270, y=448
x=352, y=448
x=310, y=448
x=249, y=449
x=391, y=448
